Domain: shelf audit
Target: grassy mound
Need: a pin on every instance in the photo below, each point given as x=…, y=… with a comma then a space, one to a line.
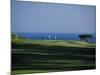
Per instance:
x=37, y=56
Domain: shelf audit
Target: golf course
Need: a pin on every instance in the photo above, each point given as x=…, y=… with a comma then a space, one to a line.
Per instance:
x=42, y=56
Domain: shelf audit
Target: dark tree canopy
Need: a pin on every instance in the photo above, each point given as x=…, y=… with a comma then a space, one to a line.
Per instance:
x=15, y=36
x=85, y=37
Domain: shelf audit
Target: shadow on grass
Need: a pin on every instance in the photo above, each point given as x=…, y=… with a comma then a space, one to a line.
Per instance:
x=39, y=57
x=53, y=49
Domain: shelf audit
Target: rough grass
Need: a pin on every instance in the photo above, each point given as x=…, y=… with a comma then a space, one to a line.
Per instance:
x=37, y=56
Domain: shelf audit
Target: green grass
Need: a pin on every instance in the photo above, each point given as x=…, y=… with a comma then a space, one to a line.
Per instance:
x=40, y=56
x=73, y=43
x=29, y=71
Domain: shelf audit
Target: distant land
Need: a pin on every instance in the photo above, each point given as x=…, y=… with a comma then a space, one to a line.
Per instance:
x=53, y=36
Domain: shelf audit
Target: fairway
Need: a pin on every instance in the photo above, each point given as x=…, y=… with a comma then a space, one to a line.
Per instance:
x=40, y=56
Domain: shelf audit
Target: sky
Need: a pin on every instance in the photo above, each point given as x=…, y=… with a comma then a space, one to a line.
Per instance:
x=52, y=17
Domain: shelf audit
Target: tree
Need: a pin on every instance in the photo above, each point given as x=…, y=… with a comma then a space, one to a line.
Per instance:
x=85, y=37
x=13, y=36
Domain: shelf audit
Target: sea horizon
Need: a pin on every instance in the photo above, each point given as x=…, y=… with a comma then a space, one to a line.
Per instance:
x=53, y=35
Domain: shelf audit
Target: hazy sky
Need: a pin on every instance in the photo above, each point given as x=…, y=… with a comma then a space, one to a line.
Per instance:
x=45, y=17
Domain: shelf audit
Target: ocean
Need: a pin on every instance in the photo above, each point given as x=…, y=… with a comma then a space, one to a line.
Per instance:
x=54, y=36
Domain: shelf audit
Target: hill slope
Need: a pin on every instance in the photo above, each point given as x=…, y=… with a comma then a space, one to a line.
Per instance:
x=37, y=56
